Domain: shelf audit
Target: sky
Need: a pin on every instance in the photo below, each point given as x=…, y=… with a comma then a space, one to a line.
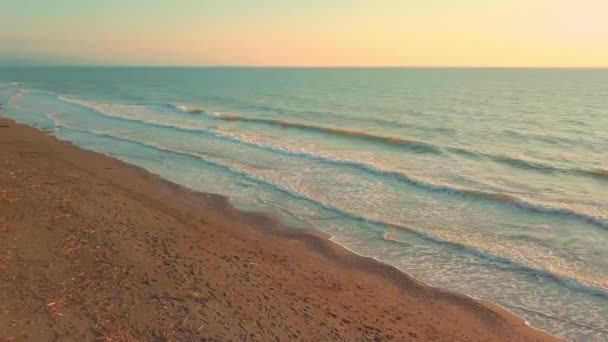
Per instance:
x=418, y=33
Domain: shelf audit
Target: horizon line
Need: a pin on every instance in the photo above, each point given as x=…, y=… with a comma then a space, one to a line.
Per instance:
x=291, y=66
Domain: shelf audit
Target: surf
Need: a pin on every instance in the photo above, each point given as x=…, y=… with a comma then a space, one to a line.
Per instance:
x=499, y=197
x=412, y=145
x=474, y=250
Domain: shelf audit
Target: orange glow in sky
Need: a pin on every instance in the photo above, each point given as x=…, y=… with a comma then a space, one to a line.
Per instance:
x=559, y=33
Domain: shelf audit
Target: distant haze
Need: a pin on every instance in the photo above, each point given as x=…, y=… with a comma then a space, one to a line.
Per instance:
x=544, y=33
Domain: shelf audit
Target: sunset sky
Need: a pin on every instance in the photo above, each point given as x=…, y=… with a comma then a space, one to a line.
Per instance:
x=563, y=33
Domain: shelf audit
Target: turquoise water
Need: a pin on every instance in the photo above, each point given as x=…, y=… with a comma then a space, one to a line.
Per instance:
x=489, y=182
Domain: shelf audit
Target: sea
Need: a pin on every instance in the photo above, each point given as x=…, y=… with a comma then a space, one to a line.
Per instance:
x=488, y=182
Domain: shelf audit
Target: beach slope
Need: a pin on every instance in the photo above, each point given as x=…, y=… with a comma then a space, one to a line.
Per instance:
x=92, y=248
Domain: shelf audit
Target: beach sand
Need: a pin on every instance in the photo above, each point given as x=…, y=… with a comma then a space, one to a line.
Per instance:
x=92, y=248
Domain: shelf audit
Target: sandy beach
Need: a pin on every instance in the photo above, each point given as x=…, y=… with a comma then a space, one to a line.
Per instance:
x=94, y=249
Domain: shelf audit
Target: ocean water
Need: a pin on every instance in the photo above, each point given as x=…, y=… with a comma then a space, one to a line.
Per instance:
x=488, y=182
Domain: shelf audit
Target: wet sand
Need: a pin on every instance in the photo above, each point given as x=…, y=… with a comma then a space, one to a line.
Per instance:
x=92, y=248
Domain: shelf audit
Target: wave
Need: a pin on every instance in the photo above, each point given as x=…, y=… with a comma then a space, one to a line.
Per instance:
x=541, y=137
x=183, y=108
x=525, y=164
x=506, y=262
x=557, y=318
x=410, y=144
x=530, y=165
x=600, y=173
x=320, y=113
x=545, y=168
x=398, y=175
x=414, y=145
x=188, y=109
x=537, y=208
x=500, y=261
x=501, y=197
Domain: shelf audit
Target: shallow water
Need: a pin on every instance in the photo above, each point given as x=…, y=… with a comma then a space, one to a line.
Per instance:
x=489, y=182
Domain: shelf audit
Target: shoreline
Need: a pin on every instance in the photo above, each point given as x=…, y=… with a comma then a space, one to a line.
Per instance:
x=368, y=287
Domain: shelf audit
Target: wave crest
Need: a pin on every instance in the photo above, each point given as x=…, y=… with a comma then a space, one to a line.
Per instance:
x=601, y=173
x=189, y=109
x=417, y=146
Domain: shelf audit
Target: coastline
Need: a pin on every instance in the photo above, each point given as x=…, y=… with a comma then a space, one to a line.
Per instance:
x=175, y=264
